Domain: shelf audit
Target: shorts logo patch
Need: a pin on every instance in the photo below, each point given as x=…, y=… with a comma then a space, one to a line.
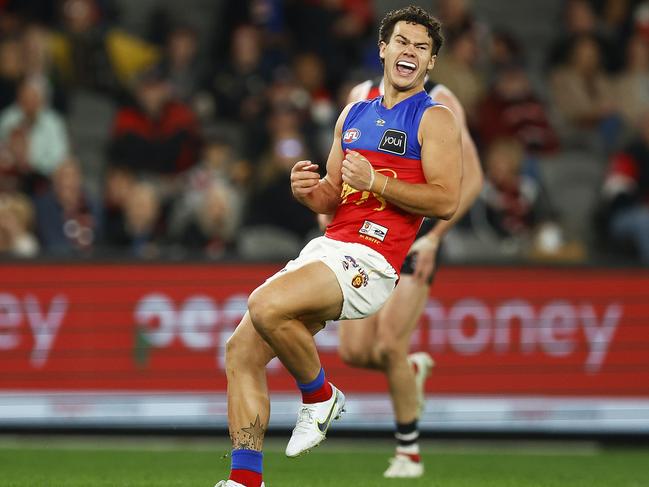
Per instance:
x=357, y=281
x=394, y=142
x=373, y=230
x=351, y=135
x=360, y=279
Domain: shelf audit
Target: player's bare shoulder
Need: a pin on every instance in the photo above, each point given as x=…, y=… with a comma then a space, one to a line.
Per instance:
x=438, y=121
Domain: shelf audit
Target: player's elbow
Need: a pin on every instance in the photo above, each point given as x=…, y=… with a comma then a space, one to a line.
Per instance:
x=445, y=205
x=446, y=212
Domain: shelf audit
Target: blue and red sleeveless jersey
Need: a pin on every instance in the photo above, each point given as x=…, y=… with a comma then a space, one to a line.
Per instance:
x=388, y=139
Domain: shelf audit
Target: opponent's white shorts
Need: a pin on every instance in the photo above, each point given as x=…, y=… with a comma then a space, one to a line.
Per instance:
x=365, y=277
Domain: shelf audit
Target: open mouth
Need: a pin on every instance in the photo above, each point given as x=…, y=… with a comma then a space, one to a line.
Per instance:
x=406, y=68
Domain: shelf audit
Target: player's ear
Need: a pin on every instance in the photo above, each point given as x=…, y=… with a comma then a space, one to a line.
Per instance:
x=431, y=63
x=382, y=46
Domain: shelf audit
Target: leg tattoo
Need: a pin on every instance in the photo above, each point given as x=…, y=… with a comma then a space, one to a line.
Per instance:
x=250, y=438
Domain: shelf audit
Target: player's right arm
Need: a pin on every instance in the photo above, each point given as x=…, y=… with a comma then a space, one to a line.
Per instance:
x=321, y=195
x=356, y=94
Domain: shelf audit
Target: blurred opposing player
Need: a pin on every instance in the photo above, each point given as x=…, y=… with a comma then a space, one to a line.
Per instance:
x=382, y=340
x=393, y=160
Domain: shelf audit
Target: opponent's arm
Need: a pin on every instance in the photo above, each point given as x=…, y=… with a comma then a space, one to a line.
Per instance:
x=441, y=159
x=321, y=195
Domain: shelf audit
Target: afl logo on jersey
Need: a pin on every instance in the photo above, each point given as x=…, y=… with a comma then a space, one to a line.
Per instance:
x=351, y=135
x=394, y=141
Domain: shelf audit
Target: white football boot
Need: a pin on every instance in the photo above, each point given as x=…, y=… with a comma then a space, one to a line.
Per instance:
x=232, y=483
x=424, y=364
x=403, y=467
x=313, y=421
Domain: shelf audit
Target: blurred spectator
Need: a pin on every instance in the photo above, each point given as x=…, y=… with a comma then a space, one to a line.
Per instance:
x=12, y=69
x=616, y=26
x=179, y=64
x=458, y=18
x=157, y=137
x=67, y=218
x=641, y=20
x=512, y=206
x=206, y=221
x=217, y=159
x=239, y=87
x=579, y=20
x=141, y=233
x=94, y=56
x=512, y=109
x=626, y=192
x=38, y=64
x=119, y=183
x=271, y=202
x=322, y=112
x=504, y=51
x=265, y=15
x=632, y=84
x=336, y=30
x=16, y=222
x=290, y=111
x=583, y=92
x=10, y=19
x=35, y=134
x=209, y=211
x=43, y=11
x=456, y=68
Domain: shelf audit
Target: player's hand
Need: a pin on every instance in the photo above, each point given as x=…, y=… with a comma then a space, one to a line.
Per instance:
x=357, y=171
x=304, y=178
x=426, y=248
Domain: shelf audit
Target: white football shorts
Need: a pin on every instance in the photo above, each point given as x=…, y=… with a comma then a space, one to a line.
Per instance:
x=365, y=277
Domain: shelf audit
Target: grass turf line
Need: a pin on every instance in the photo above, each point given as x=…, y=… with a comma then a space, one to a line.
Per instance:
x=334, y=464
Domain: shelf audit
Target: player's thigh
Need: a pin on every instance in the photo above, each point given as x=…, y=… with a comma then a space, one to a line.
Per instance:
x=310, y=293
x=357, y=337
x=400, y=315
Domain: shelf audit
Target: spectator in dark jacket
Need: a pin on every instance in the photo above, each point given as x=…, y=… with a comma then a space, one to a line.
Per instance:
x=156, y=138
x=626, y=191
x=512, y=109
x=512, y=206
x=67, y=219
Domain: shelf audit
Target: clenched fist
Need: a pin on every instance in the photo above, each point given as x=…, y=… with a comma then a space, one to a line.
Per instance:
x=357, y=171
x=304, y=178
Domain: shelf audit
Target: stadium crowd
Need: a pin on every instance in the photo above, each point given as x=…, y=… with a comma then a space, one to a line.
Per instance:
x=175, y=142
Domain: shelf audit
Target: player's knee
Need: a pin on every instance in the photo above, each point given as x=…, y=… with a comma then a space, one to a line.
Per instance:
x=264, y=311
x=354, y=356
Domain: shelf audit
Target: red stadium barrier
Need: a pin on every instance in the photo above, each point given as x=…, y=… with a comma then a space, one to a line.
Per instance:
x=501, y=332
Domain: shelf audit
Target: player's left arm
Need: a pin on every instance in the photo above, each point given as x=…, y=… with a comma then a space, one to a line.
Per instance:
x=441, y=160
x=427, y=245
x=472, y=176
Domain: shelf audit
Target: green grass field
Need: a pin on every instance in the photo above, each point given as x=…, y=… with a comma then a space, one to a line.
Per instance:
x=165, y=463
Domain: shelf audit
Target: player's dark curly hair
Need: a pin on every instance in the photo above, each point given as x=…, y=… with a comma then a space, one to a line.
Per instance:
x=415, y=15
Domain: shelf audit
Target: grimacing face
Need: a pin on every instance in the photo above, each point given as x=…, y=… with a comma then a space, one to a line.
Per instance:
x=407, y=56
